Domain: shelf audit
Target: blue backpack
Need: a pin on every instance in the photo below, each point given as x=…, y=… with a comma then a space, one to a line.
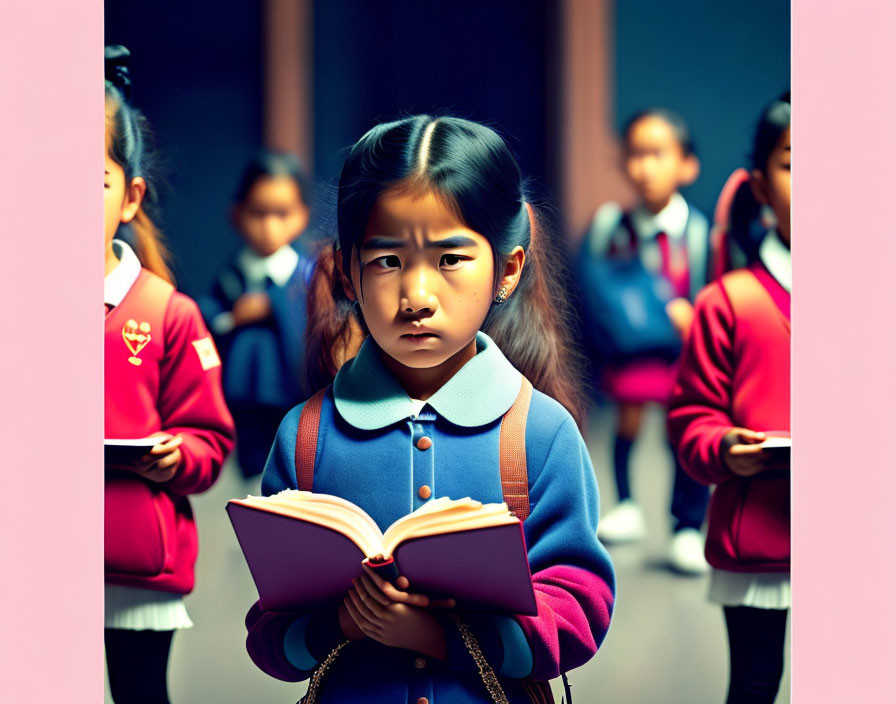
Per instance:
x=623, y=304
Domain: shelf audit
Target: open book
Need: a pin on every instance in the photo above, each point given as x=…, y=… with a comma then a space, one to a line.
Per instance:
x=305, y=548
x=120, y=451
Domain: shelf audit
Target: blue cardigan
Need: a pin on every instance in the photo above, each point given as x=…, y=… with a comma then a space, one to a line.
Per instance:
x=367, y=453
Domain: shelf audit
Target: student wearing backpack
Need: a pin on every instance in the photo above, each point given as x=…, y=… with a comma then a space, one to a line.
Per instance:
x=442, y=267
x=733, y=391
x=667, y=238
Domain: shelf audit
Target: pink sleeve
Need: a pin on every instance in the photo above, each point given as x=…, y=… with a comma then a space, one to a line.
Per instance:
x=191, y=401
x=699, y=407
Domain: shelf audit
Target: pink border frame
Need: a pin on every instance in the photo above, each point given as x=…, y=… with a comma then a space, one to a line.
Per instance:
x=844, y=377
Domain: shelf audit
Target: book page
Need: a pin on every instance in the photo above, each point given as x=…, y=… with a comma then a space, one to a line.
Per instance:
x=324, y=510
x=445, y=515
x=775, y=442
x=150, y=441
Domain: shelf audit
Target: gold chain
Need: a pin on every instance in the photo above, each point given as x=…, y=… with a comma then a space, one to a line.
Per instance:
x=314, y=685
x=489, y=679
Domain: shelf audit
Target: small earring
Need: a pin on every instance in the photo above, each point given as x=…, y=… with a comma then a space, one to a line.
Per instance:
x=502, y=295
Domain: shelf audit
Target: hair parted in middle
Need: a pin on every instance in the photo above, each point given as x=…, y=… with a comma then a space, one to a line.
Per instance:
x=472, y=171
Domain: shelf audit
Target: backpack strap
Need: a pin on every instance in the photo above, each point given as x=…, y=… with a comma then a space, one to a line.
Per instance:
x=306, y=440
x=599, y=238
x=697, y=247
x=512, y=453
x=511, y=448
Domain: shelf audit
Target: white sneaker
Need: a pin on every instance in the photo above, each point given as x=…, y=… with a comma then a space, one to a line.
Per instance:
x=623, y=523
x=686, y=552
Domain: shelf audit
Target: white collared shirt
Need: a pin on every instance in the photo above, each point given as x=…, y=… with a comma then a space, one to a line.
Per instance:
x=119, y=281
x=775, y=255
x=672, y=220
x=279, y=266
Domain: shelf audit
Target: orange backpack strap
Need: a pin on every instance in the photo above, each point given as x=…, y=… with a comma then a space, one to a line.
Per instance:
x=306, y=440
x=512, y=453
x=511, y=449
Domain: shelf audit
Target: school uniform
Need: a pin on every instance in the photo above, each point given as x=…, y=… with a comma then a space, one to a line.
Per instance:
x=672, y=243
x=162, y=374
x=262, y=360
x=735, y=372
x=369, y=452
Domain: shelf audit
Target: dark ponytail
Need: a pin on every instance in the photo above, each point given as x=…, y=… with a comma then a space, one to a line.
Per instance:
x=744, y=223
x=333, y=333
x=129, y=142
x=472, y=171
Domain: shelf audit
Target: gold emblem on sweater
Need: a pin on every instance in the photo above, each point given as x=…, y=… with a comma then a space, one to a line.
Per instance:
x=136, y=337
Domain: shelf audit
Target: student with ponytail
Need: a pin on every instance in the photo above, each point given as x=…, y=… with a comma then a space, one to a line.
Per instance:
x=732, y=394
x=162, y=377
x=438, y=301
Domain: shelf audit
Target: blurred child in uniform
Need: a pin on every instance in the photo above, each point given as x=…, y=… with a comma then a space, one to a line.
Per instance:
x=670, y=238
x=256, y=309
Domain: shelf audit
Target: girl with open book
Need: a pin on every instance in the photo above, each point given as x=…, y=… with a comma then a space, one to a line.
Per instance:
x=733, y=390
x=443, y=294
x=162, y=377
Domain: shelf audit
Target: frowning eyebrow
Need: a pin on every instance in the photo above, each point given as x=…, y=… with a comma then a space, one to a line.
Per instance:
x=448, y=243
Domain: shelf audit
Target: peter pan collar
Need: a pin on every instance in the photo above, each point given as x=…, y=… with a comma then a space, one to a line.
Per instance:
x=119, y=281
x=369, y=397
x=775, y=255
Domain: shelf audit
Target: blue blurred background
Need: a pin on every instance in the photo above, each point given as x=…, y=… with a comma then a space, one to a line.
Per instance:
x=199, y=71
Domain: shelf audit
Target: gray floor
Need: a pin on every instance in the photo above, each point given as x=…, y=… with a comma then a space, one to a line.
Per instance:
x=666, y=644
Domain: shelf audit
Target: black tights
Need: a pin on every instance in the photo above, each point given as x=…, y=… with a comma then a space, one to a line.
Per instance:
x=138, y=665
x=756, y=643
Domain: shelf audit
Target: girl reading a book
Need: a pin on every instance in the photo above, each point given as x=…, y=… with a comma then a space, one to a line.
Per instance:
x=162, y=376
x=733, y=390
x=446, y=273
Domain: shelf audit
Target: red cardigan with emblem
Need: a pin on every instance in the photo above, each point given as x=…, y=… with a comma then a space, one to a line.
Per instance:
x=162, y=373
x=735, y=372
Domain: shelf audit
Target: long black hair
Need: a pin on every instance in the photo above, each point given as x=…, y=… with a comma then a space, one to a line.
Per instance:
x=130, y=145
x=744, y=227
x=470, y=168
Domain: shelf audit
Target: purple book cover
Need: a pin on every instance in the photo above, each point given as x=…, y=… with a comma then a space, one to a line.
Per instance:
x=296, y=563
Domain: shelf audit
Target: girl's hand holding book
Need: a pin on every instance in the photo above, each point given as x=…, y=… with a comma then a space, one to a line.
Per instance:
x=742, y=452
x=162, y=461
x=393, y=616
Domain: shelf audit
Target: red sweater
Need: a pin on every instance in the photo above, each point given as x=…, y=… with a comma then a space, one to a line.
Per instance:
x=162, y=373
x=735, y=372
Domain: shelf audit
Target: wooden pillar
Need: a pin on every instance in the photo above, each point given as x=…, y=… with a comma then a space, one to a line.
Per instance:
x=288, y=116
x=589, y=164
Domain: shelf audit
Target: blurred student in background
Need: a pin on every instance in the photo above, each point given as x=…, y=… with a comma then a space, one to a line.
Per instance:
x=640, y=269
x=256, y=309
x=162, y=376
x=732, y=393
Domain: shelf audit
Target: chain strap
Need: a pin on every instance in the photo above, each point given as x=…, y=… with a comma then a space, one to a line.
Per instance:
x=489, y=679
x=314, y=685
